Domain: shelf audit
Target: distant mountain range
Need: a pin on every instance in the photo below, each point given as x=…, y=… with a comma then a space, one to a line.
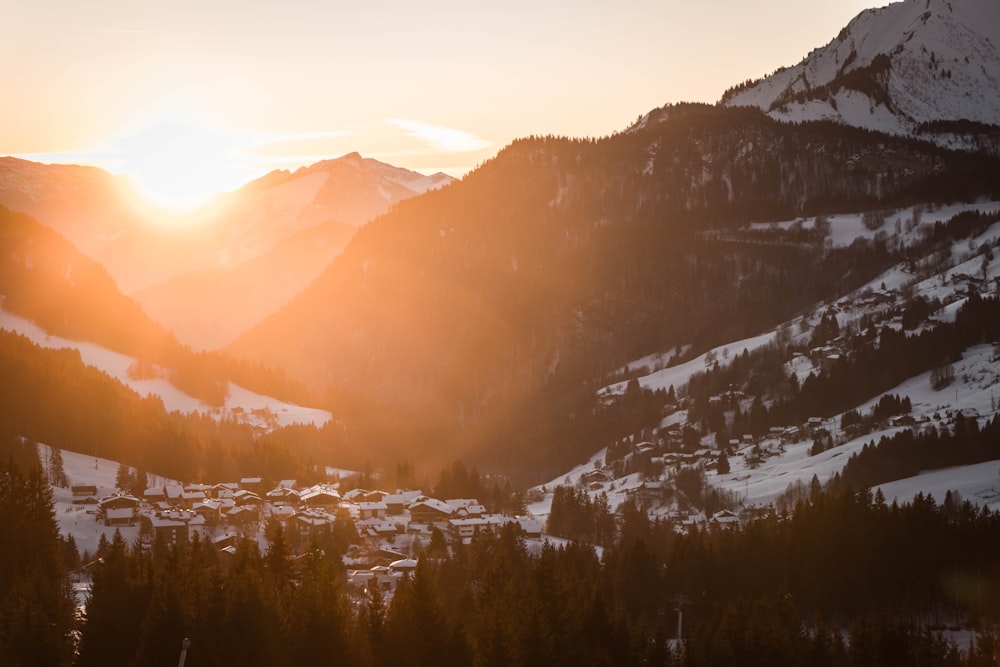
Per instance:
x=253, y=250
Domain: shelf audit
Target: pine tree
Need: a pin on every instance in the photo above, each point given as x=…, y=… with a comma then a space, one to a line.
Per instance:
x=57, y=473
x=723, y=465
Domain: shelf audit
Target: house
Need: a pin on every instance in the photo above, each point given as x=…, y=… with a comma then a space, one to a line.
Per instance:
x=283, y=494
x=224, y=489
x=395, y=503
x=242, y=515
x=725, y=519
x=255, y=484
x=84, y=490
x=173, y=493
x=530, y=527
x=244, y=497
x=154, y=494
x=313, y=524
x=372, y=510
x=380, y=528
x=211, y=510
x=190, y=498
x=466, y=507
x=404, y=566
x=467, y=528
x=430, y=510
x=119, y=510
x=320, y=495
x=166, y=526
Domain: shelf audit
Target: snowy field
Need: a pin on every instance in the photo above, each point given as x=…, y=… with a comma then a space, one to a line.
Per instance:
x=81, y=521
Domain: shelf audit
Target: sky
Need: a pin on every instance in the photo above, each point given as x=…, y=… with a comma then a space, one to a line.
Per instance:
x=224, y=91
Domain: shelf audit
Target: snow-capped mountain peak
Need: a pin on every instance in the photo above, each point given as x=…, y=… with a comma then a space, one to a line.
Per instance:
x=894, y=69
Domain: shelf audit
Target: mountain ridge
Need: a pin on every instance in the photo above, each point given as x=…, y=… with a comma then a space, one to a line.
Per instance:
x=896, y=69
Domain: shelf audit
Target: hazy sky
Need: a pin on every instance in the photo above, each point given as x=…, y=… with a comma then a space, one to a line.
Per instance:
x=432, y=85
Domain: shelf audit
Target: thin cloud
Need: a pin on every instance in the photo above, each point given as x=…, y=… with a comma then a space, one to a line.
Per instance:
x=440, y=138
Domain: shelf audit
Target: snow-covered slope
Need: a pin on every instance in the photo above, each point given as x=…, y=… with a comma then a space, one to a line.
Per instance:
x=241, y=404
x=785, y=464
x=894, y=68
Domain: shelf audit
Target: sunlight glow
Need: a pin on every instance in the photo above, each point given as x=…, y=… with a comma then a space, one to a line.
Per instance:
x=180, y=167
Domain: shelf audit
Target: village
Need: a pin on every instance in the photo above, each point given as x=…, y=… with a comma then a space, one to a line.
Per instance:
x=383, y=533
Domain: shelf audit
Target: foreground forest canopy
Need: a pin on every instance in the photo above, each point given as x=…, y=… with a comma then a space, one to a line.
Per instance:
x=845, y=579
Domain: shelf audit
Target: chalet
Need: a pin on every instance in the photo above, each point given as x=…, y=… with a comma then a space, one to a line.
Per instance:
x=380, y=528
x=430, y=510
x=172, y=526
x=254, y=484
x=154, y=494
x=313, y=524
x=530, y=527
x=598, y=475
x=224, y=489
x=395, y=503
x=284, y=513
x=356, y=495
x=242, y=515
x=84, y=490
x=244, y=497
x=174, y=493
x=466, y=507
x=190, y=498
x=468, y=528
x=119, y=510
x=211, y=510
x=403, y=566
x=321, y=495
x=283, y=494
x=725, y=519
x=372, y=510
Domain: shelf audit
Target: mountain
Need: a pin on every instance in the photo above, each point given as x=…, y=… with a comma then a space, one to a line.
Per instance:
x=46, y=279
x=273, y=237
x=928, y=68
x=349, y=189
x=101, y=216
x=561, y=259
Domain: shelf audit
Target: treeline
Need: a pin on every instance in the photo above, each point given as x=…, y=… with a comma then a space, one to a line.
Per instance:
x=51, y=396
x=845, y=580
x=36, y=604
x=906, y=453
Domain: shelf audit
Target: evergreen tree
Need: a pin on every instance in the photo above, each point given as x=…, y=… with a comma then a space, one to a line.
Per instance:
x=57, y=473
x=723, y=465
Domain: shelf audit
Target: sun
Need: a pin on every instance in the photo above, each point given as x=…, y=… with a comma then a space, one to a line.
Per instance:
x=179, y=167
